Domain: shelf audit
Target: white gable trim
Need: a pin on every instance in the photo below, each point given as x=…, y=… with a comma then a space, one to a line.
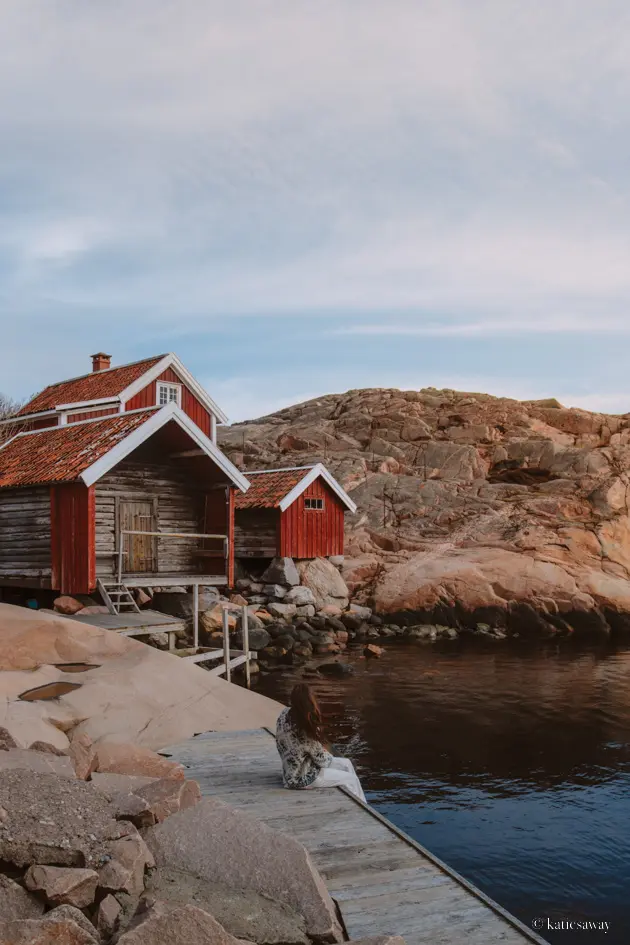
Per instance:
x=80, y=423
x=98, y=402
x=172, y=361
x=261, y=472
x=54, y=411
x=315, y=473
x=154, y=423
x=25, y=417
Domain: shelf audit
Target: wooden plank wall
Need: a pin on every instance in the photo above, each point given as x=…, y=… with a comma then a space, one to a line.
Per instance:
x=25, y=533
x=256, y=533
x=91, y=414
x=309, y=533
x=230, y=522
x=179, y=509
x=190, y=405
x=72, y=538
x=22, y=426
x=219, y=519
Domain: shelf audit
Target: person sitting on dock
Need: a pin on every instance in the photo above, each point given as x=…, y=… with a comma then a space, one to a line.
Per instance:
x=306, y=762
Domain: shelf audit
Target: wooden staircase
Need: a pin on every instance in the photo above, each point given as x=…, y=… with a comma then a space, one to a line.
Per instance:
x=117, y=597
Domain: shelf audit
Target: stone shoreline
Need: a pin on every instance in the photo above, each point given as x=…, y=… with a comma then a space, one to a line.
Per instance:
x=301, y=612
x=112, y=845
x=105, y=842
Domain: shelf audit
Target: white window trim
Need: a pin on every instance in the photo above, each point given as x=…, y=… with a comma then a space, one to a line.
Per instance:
x=168, y=384
x=315, y=471
x=172, y=361
x=314, y=508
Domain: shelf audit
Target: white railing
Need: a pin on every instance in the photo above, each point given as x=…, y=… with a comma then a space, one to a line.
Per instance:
x=122, y=552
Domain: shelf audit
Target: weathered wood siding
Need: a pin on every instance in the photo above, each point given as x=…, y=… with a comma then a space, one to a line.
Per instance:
x=91, y=414
x=256, y=533
x=23, y=426
x=190, y=405
x=43, y=423
x=25, y=550
x=179, y=508
x=72, y=510
x=308, y=533
x=219, y=520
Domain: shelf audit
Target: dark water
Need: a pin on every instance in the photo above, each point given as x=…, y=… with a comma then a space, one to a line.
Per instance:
x=512, y=764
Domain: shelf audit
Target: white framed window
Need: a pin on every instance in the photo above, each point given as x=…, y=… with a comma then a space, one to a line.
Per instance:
x=314, y=505
x=169, y=394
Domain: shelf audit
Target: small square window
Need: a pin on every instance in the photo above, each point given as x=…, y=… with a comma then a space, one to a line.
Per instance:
x=315, y=505
x=169, y=394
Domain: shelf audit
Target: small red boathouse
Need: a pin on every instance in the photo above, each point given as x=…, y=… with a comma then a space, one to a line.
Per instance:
x=296, y=512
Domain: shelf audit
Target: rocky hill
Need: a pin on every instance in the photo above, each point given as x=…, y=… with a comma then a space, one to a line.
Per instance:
x=470, y=506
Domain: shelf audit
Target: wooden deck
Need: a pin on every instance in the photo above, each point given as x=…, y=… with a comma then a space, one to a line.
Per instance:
x=132, y=624
x=151, y=621
x=383, y=882
x=173, y=580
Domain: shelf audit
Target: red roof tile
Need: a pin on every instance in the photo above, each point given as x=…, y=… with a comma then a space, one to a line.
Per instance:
x=268, y=489
x=61, y=454
x=92, y=386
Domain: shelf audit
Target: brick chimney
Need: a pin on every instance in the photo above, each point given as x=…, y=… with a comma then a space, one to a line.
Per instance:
x=101, y=361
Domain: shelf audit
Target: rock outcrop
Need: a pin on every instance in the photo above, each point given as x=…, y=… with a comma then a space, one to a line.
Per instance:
x=221, y=845
x=128, y=692
x=16, y=902
x=75, y=869
x=470, y=507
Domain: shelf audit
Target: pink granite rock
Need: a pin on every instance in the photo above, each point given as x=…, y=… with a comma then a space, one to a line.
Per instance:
x=82, y=754
x=122, y=758
x=231, y=848
x=62, y=885
x=16, y=902
x=167, y=796
x=124, y=872
x=178, y=925
x=67, y=605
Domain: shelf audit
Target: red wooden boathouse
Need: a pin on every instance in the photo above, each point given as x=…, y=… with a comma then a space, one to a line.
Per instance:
x=115, y=478
x=294, y=513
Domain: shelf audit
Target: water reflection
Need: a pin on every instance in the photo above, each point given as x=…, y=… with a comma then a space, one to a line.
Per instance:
x=512, y=763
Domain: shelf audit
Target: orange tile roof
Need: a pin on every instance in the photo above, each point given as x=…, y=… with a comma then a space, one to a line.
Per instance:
x=268, y=488
x=91, y=386
x=61, y=454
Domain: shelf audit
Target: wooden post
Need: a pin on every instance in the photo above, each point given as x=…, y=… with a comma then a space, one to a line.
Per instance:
x=226, y=644
x=196, y=616
x=245, y=633
x=120, y=555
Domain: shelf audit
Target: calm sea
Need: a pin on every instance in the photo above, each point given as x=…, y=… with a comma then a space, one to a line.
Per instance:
x=512, y=763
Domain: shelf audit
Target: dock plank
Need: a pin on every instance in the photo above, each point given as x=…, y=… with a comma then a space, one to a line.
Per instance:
x=382, y=881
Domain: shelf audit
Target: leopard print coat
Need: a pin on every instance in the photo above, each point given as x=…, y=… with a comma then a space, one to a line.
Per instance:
x=302, y=757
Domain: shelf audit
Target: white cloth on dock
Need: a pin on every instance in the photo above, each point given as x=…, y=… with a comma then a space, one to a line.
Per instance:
x=339, y=772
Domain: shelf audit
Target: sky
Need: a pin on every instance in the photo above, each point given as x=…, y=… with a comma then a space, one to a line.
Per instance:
x=303, y=198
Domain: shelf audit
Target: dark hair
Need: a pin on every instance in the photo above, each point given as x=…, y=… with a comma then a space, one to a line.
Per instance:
x=305, y=712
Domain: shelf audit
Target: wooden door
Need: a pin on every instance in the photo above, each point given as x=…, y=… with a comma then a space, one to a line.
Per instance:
x=138, y=516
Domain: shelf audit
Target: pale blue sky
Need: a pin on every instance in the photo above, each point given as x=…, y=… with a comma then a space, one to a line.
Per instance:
x=300, y=198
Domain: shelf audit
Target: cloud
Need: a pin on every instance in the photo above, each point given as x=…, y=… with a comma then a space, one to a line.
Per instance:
x=553, y=324
x=441, y=170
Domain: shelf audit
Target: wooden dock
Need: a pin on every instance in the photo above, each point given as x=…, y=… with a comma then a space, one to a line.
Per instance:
x=133, y=624
x=146, y=622
x=382, y=880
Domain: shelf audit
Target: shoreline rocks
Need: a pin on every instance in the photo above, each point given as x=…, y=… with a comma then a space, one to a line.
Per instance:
x=74, y=868
x=469, y=503
x=128, y=692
